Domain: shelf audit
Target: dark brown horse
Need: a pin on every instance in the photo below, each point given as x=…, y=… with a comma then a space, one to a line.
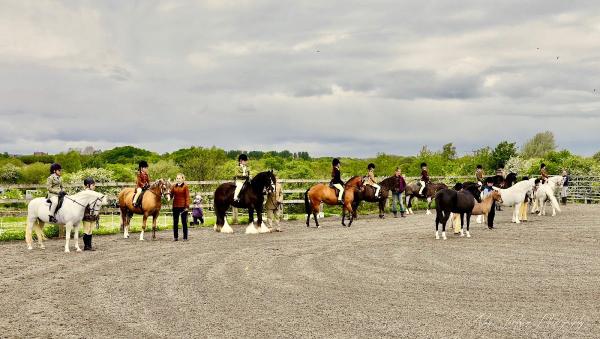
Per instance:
x=412, y=191
x=251, y=197
x=151, y=204
x=323, y=193
x=368, y=194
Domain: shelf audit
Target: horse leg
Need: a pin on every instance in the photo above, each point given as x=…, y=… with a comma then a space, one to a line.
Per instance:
x=444, y=221
x=428, y=206
x=28, y=231
x=349, y=208
x=516, y=213
x=409, y=204
x=38, y=226
x=251, y=229
x=154, y=219
x=68, y=228
x=468, y=224
x=316, y=219
x=262, y=227
x=438, y=219
x=76, y=237
x=381, y=208
x=144, y=219
x=343, y=216
x=462, y=223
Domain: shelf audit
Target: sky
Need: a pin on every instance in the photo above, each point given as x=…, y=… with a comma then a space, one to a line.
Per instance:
x=334, y=78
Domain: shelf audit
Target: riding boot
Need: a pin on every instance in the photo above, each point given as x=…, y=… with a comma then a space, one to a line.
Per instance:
x=564, y=200
x=395, y=214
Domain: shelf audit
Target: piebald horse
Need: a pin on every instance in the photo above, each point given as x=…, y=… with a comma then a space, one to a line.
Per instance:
x=151, y=204
x=449, y=201
x=322, y=193
x=71, y=214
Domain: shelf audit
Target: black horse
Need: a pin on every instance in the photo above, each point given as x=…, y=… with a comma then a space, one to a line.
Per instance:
x=251, y=197
x=451, y=201
x=368, y=194
x=501, y=182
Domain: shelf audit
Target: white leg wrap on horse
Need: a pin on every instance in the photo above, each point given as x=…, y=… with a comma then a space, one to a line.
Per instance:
x=468, y=234
x=142, y=235
x=462, y=233
x=437, y=235
x=444, y=235
x=251, y=229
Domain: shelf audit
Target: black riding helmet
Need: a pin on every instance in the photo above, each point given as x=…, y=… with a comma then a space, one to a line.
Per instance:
x=55, y=167
x=242, y=157
x=371, y=166
x=423, y=164
x=542, y=165
x=87, y=182
x=142, y=164
x=479, y=167
x=335, y=162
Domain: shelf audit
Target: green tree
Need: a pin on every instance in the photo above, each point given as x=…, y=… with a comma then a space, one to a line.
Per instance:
x=596, y=156
x=70, y=161
x=503, y=151
x=449, y=152
x=127, y=155
x=9, y=173
x=35, y=173
x=166, y=169
x=539, y=145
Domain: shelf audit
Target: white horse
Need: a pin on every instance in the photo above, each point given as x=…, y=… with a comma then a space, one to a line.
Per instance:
x=515, y=196
x=546, y=192
x=70, y=214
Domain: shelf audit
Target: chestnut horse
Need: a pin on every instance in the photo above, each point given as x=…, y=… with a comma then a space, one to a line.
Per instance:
x=323, y=193
x=151, y=204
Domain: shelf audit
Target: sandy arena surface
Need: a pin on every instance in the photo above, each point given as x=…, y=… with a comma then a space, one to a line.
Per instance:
x=379, y=278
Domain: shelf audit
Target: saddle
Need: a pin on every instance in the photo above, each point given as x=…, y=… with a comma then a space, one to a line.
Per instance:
x=138, y=203
x=61, y=198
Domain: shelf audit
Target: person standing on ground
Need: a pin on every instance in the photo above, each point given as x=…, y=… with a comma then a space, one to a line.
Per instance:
x=181, y=202
x=564, y=191
x=274, y=205
x=89, y=219
x=197, y=211
x=489, y=187
x=397, y=193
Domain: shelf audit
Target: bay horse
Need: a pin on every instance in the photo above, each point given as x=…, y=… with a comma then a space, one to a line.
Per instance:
x=412, y=191
x=251, y=197
x=323, y=193
x=448, y=201
x=71, y=214
x=151, y=204
x=368, y=194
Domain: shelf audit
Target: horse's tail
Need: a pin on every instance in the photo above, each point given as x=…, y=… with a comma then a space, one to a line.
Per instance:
x=307, y=206
x=554, y=202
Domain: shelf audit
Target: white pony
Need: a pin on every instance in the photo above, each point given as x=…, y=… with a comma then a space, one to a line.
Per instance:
x=546, y=192
x=515, y=196
x=70, y=214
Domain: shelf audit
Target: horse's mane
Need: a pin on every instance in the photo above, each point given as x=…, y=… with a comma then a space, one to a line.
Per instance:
x=156, y=183
x=353, y=178
x=388, y=181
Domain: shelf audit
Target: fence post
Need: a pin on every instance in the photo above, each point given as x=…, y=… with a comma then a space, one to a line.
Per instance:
x=234, y=216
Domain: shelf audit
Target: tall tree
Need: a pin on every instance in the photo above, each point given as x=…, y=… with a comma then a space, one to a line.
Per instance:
x=539, y=145
x=503, y=151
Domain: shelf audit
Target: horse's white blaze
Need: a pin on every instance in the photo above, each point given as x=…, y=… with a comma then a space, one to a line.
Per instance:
x=226, y=228
x=263, y=228
x=251, y=229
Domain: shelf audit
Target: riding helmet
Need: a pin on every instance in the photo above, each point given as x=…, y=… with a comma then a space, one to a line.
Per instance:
x=242, y=157
x=143, y=164
x=423, y=164
x=479, y=167
x=542, y=165
x=55, y=167
x=335, y=162
x=87, y=182
x=371, y=166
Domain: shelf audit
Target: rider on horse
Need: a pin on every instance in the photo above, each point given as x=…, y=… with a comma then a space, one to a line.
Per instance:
x=242, y=176
x=336, y=178
x=55, y=189
x=424, y=177
x=479, y=174
x=369, y=179
x=142, y=182
x=544, y=173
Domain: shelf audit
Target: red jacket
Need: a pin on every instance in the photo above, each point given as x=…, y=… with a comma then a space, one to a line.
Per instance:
x=143, y=180
x=181, y=196
x=424, y=176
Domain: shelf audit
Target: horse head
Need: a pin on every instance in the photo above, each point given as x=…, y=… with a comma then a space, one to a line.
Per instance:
x=163, y=187
x=355, y=182
x=265, y=182
x=496, y=196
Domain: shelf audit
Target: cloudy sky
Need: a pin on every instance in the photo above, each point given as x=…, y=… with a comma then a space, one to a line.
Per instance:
x=345, y=77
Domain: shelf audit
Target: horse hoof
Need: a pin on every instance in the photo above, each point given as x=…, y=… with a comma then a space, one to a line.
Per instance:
x=43, y=247
x=78, y=249
x=67, y=250
x=468, y=234
x=29, y=248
